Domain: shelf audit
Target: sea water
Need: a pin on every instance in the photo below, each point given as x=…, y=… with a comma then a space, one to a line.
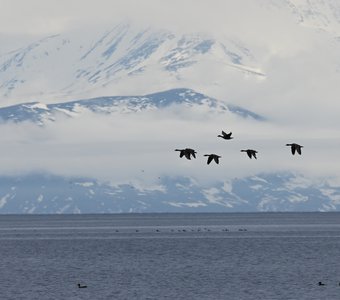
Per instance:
x=171, y=256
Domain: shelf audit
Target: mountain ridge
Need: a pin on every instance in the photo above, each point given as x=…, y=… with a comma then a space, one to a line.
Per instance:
x=63, y=75
x=38, y=112
x=46, y=193
x=73, y=66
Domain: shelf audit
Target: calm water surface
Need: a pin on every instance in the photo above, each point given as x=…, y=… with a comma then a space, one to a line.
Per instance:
x=171, y=256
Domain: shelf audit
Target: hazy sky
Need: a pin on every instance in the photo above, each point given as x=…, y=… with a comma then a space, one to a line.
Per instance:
x=45, y=17
x=39, y=17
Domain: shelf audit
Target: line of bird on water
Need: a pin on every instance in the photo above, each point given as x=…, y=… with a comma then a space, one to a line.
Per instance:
x=188, y=152
x=85, y=286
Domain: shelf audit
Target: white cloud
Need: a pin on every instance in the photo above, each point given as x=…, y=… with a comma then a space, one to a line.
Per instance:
x=141, y=147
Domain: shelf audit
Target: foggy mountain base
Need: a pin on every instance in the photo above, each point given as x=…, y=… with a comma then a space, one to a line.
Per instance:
x=267, y=192
x=117, y=155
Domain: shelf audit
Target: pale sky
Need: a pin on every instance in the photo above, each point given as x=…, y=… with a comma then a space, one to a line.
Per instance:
x=39, y=17
x=44, y=17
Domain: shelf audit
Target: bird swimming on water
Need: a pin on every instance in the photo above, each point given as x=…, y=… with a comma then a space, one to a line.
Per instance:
x=187, y=152
x=321, y=283
x=226, y=136
x=295, y=148
x=211, y=157
x=251, y=153
x=82, y=286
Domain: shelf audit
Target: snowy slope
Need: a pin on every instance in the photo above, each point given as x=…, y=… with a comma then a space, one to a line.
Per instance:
x=317, y=14
x=40, y=113
x=127, y=57
x=46, y=78
x=266, y=192
x=73, y=67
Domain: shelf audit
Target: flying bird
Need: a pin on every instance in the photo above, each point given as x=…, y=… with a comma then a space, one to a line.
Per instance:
x=191, y=152
x=251, y=153
x=226, y=136
x=214, y=157
x=295, y=148
x=187, y=152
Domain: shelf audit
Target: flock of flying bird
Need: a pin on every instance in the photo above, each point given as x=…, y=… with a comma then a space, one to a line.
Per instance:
x=188, y=152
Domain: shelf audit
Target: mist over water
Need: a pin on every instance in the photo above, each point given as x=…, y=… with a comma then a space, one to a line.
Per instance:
x=170, y=256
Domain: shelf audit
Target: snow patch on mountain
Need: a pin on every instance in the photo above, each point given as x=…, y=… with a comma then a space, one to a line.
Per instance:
x=41, y=113
x=71, y=67
x=38, y=193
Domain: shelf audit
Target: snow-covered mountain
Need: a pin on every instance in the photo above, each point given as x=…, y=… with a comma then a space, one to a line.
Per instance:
x=267, y=192
x=125, y=57
x=317, y=14
x=39, y=113
x=70, y=67
x=264, y=59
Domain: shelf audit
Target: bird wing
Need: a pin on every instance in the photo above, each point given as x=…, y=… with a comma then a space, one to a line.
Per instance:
x=293, y=148
x=210, y=158
x=298, y=149
x=249, y=154
x=182, y=153
x=216, y=159
x=254, y=154
x=193, y=153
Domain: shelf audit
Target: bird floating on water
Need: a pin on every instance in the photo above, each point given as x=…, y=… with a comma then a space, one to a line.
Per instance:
x=226, y=136
x=82, y=286
x=295, y=147
x=321, y=283
x=187, y=152
x=251, y=153
x=214, y=157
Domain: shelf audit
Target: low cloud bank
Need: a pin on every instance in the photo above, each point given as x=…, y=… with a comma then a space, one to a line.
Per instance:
x=122, y=148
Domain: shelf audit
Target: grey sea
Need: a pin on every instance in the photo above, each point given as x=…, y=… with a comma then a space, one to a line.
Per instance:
x=171, y=256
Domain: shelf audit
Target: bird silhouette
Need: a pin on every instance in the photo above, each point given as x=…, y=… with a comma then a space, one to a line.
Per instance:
x=187, y=152
x=321, y=283
x=191, y=152
x=211, y=157
x=82, y=286
x=226, y=136
x=295, y=148
x=251, y=153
